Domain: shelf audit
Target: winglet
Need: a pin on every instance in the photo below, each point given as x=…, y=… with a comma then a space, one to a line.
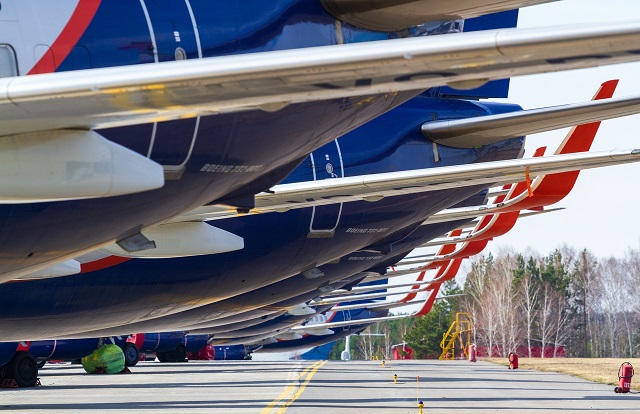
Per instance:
x=428, y=304
x=580, y=138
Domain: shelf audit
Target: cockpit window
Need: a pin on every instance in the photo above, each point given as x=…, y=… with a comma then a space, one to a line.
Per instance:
x=8, y=64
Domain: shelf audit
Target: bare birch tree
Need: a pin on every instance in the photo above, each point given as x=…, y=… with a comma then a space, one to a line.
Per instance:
x=504, y=298
x=562, y=323
x=477, y=287
x=582, y=288
x=530, y=291
x=545, y=315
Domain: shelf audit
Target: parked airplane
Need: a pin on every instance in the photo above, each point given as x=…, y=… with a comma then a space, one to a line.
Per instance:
x=505, y=208
x=262, y=334
x=353, y=326
x=279, y=245
x=116, y=300
x=543, y=191
x=288, y=296
x=282, y=304
x=399, y=243
x=105, y=121
x=355, y=312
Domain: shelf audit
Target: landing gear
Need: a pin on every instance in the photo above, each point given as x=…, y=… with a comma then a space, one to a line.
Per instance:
x=23, y=369
x=131, y=354
x=177, y=355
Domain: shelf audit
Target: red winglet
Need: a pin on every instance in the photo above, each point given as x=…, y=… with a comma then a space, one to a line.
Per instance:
x=411, y=296
x=554, y=187
x=452, y=270
x=428, y=304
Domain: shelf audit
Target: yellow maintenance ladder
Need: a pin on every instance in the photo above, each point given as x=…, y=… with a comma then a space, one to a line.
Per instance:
x=459, y=330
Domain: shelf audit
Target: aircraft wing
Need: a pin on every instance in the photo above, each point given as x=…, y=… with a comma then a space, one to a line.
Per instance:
x=579, y=139
x=475, y=132
x=270, y=80
x=374, y=187
x=426, y=308
x=344, y=299
x=479, y=211
x=353, y=322
x=390, y=305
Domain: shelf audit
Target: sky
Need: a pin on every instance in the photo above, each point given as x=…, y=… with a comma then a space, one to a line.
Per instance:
x=602, y=211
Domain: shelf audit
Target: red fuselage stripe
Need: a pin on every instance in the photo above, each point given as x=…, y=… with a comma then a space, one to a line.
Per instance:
x=68, y=38
x=102, y=263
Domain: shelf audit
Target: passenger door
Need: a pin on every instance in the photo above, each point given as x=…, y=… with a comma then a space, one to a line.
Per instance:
x=326, y=164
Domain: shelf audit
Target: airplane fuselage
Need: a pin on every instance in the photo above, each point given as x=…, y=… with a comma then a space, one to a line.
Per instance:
x=277, y=245
x=204, y=158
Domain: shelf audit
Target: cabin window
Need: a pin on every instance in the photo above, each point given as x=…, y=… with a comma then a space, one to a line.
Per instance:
x=8, y=64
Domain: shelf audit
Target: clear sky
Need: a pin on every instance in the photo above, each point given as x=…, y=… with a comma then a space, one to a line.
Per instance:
x=602, y=211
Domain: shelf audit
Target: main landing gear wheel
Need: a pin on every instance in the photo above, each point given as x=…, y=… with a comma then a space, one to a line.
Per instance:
x=131, y=354
x=177, y=355
x=23, y=369
x=180, y=353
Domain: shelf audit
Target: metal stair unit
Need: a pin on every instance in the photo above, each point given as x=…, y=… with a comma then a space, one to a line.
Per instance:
x=459, y=330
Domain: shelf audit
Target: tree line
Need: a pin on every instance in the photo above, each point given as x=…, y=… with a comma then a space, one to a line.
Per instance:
x=567, y=301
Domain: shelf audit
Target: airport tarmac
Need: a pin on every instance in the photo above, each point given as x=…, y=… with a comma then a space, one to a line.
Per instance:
x=314, y=387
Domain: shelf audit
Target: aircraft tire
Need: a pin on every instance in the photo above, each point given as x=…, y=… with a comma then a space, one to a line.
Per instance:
x=41, y=362
x=162, y=356
x=179, y=354
x=131, y=354
x=23, y=369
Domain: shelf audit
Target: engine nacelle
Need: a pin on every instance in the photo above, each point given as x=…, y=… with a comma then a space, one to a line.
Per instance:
x=7, y=350
x=66, y=349
x=288, y=336
x=182, y=240
x=300, y=310
x=229, y=353
x=68, y=165
x=194, y=343
x=66, y=268
x=319, y=331
x=162, y=341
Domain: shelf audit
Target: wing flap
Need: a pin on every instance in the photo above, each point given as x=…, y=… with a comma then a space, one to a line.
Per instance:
x=270, y=80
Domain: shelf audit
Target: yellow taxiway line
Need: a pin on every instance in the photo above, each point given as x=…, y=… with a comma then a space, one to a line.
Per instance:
x=285, y=399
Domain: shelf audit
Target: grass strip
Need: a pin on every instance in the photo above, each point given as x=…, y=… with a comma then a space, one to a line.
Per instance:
x=601, y=370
